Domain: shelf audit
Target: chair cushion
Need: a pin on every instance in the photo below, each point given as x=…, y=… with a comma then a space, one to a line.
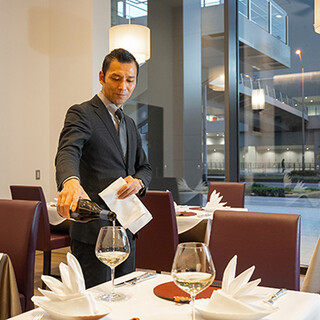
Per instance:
x=58, y=240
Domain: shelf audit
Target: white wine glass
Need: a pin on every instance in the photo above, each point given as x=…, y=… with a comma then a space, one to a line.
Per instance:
x=112, y=248
x=193, y=269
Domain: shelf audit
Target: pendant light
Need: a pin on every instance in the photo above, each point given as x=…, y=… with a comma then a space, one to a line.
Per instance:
x=132, y=37
x=258, y=99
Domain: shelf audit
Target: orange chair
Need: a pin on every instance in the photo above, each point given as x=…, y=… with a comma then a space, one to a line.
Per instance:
x=18, y=236
x=47, y=241
x=231, y=192
x=157, y=241
x=269, y=241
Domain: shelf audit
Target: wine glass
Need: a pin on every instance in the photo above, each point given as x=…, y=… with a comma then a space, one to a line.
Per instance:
x=112, y=248
x=193, y=269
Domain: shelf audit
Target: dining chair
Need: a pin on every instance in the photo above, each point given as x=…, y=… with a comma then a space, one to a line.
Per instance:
x=311, y=282
x=157, y=241
x=270, y=241
x=232, y=192
x=19, y=222
x=47, y=240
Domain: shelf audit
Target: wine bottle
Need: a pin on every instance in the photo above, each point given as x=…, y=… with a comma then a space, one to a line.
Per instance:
x=88, y=210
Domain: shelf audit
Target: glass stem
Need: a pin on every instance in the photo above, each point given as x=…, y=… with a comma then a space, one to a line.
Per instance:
x=193, y=297
x=112, y=282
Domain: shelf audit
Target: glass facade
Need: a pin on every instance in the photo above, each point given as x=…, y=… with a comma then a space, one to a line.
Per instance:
x=280, y=138
x=179, y=103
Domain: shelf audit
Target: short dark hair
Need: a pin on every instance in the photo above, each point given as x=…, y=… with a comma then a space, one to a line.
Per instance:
x=122, y=56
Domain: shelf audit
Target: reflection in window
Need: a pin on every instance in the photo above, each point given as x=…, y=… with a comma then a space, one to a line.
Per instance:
x=278, y=22
x=208, y=3
x=243, y=7
x=259, y=13
x=132, y=8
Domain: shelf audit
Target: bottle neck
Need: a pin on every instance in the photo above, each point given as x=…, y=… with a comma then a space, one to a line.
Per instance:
x=104, y=214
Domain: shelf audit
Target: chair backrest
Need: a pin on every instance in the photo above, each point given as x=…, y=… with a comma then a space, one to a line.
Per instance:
x=269, y=241
x=157, y=241
x=19, y=226
x=231, y=192
x=35, y=193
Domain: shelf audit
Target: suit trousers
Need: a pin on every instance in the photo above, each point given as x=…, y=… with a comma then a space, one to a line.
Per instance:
x=95, y=272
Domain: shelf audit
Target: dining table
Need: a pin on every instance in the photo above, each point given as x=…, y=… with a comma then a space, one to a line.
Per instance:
x=193, y=222
x=141, y=303
x=9, y=296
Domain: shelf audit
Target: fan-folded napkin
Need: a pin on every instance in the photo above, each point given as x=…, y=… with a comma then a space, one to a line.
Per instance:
x=69, y=294
x=237, y=295
x=214, y=202
x=131, y=213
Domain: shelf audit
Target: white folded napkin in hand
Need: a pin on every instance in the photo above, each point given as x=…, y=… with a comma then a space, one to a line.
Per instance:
x=214, y=202
x=68, y=293
x=237, y=295
x=131, y=213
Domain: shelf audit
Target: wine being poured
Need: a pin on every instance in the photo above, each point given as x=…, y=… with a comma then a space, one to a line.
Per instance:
x=88, y=210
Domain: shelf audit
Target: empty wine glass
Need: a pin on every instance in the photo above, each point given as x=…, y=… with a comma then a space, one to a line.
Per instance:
x=112, y=248
x=193, y=269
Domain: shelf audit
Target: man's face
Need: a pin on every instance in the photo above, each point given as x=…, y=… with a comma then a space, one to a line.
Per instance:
x=119, y=81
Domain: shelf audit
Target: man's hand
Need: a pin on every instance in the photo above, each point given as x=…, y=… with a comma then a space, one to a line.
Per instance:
x=133, y=186
x=69, y=196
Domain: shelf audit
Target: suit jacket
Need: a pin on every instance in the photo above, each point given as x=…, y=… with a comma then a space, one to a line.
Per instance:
x=89, y=148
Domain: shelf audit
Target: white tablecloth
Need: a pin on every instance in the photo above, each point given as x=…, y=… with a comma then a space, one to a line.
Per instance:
x=9, y=295
x=54, y=217
x=143, y=304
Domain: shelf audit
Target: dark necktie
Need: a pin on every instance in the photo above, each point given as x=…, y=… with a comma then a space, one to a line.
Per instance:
x=122, y=131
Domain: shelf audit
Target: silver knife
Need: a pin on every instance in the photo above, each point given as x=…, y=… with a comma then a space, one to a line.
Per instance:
x=277, y=295
x=144, y=276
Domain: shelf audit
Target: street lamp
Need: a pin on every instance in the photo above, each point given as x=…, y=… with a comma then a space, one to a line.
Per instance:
x=298, y=53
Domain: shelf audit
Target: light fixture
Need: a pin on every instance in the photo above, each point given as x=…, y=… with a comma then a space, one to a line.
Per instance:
x=216, y=78
x=258, y=99
x=132, y=37
x=217, y=84
x=317, y=16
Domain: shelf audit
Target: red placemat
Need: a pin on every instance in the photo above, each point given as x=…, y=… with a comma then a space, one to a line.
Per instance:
x=186, y=213
x=170, y=291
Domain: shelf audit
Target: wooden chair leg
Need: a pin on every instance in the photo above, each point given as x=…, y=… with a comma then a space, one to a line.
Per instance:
x=46, y=265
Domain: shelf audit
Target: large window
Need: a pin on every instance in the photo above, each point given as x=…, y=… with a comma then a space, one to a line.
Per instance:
x=279, y=153
x=179, y=103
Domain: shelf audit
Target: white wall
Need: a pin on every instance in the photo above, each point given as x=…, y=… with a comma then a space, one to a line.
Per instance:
x=46, y=63
x=24, y=91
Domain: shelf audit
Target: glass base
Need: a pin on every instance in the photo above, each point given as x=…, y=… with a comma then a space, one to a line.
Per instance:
x=109, y=297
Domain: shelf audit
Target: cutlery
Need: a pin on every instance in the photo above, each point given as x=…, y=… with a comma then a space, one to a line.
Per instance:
x=148, y=276
x=135, y=280
x=38, y=316
x=277, y=295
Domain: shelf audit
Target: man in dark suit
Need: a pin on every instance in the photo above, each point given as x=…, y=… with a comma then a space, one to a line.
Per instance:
x=97, y=146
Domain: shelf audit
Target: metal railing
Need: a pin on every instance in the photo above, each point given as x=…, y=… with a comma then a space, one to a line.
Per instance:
x=270, y=91
x=261, y=167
